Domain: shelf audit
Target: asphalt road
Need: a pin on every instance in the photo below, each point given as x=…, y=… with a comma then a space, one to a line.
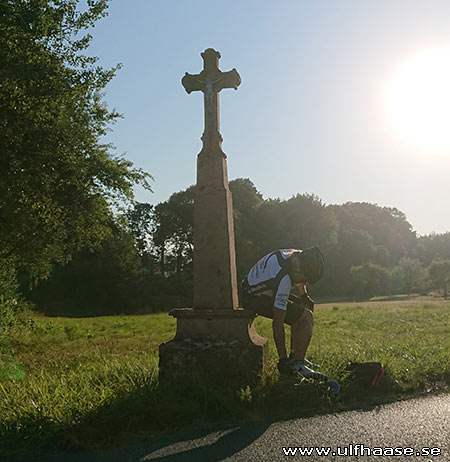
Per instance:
x=415, y=424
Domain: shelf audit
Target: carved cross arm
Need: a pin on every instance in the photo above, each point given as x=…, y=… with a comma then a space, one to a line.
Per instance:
x=192, y=82
x=230, y=79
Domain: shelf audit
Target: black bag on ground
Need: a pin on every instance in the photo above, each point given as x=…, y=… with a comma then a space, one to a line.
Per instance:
x=367, y=374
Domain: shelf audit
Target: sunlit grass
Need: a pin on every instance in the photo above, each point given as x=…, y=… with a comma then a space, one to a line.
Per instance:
x=94, y=380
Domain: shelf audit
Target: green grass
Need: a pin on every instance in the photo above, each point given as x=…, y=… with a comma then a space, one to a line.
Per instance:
x=93, y=381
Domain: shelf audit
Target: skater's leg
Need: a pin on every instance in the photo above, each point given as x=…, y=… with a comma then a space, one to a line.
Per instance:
x=301, y=333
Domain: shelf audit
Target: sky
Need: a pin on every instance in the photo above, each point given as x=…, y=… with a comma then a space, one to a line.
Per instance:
x=347, y=100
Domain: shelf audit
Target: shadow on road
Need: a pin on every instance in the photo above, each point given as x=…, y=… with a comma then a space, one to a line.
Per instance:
x=212, y=447
x=189, y=446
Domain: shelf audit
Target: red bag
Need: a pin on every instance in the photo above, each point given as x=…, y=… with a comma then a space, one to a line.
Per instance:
x=368, y=374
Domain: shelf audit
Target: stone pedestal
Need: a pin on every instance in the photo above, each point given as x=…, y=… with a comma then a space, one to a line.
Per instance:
x=213, y=343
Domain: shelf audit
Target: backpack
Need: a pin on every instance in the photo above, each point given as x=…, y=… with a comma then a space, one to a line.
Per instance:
x=367, y=374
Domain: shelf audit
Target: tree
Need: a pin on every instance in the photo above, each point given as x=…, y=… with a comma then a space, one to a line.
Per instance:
x=104, y=281
x=245, y=195
x=356, y=247
x=439, y=271
x=387, y=226
x=433, y=247
x=299, y=222
x=246, y=200
x=369, y=280
x=173, y=234
x=411, y=276
x=58, y=181
x=141, y=224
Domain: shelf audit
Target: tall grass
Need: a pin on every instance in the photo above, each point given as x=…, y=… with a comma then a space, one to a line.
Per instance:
x=92, y=381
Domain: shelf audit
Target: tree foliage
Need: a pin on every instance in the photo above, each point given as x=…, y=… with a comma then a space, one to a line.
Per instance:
x=173, y=231
x=57, y=179
x=369, y=280
x=104, y=280
x=433, y=246
x=411, y=276
x=439, y=271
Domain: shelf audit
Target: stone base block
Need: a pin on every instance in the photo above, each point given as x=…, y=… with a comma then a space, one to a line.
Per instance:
x=218, y=344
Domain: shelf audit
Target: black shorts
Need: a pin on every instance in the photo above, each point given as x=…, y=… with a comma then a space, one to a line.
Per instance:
x=263, y=305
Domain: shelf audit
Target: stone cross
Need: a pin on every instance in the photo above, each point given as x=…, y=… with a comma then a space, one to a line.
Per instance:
x=210, y=81
x=215, y=337
x=215, y=280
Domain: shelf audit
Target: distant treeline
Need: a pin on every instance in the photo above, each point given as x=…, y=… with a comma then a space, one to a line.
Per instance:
x=145, y=263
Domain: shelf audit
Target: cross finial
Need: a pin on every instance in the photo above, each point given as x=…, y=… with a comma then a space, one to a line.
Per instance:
x=211, y=81
x=210, y=59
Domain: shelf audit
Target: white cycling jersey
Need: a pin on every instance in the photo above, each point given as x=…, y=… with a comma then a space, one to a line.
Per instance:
x=266, y=270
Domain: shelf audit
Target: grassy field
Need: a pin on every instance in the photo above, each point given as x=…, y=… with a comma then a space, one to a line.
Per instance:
x=92, y=381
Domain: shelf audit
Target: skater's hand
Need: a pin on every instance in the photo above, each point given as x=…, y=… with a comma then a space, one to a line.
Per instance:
x=307, y=301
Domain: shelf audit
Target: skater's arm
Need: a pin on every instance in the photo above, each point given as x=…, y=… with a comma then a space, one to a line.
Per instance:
x=278, y=331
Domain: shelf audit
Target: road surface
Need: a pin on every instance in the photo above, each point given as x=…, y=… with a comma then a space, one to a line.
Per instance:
x=410, y=430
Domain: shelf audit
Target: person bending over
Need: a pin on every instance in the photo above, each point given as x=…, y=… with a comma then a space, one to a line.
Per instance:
x=267, y=291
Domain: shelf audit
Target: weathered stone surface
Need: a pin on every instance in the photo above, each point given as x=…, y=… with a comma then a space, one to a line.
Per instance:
x=224, y=344
x=223, y=325
x=215, y=278
x=230, y=360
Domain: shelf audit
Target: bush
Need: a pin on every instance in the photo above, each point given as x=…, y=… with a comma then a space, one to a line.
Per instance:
x=8, y=315
x=9, y=288
x=12, y=302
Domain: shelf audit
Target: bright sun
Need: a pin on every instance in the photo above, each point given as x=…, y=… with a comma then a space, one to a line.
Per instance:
x=418, y=101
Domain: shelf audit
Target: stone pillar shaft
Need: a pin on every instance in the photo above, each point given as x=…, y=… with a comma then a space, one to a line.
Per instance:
x=215, y=279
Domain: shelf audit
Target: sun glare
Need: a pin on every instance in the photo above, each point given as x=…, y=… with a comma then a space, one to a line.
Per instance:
x=418, y=101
